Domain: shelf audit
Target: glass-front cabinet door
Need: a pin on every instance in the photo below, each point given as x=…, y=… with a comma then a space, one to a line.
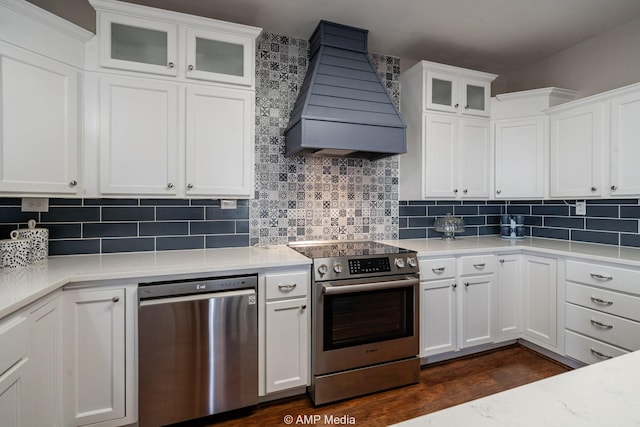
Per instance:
x=219, y=57
x=135, y=44
x=442, y=92
x=475, y=97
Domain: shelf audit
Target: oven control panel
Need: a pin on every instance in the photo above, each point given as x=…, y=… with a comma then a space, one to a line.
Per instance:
x=351, y=267
x=369, y=265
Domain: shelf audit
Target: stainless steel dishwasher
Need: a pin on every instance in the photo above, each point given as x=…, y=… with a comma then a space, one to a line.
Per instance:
x=197, y=348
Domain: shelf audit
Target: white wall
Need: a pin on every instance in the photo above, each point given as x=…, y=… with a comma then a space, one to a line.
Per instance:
x=607, y=61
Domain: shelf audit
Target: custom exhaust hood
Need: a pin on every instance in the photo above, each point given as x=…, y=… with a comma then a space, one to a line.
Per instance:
x=343, y=108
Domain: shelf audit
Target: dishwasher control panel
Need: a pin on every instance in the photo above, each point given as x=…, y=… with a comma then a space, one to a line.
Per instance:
x=195, y=286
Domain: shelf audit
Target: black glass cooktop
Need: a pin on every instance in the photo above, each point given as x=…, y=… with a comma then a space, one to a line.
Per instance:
x=347, y=249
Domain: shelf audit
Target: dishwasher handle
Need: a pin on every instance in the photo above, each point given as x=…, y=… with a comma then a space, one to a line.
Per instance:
x=196, y=297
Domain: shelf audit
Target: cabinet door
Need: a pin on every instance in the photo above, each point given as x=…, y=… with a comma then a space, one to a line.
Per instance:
x=14, y=373
x=625, y=149
x=508, y=296
x=576, y=152
x=520, y=167
x=138, y=44
x=441, y=156
x=475, y=159
x=38, y=125
x=94, y=361
x=438, y=317
x=475, y=97
x=287, y=344
x=477, y=316
x=219, y=57
x=441, y=92
x=220, y=142
x=46, y=367
x=138, y=137
x=539, y=299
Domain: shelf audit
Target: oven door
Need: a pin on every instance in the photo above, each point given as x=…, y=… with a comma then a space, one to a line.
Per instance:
x=364, y=322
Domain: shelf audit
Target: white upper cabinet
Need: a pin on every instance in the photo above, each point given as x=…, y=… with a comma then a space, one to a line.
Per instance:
x=134, y=156
x=449, y=151
x=137, y=44
x=625, y=147
x=576, y=150
x=456, y=90
x=148, y=40
x=219, y=142
x=520, y=132
x=594, y=146
x=41, y=59
x=39, y=124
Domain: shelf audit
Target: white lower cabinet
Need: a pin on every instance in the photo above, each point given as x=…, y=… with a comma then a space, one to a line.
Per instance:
x=285, y=358
x=539, y=300
x=602, y=311
x=14, y=372
x=99, y=352
x=508, y=297
x=46, y=363
x=457, y=310
x=438, y=317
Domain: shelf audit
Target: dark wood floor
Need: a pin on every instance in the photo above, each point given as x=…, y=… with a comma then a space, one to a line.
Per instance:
x=441, y=386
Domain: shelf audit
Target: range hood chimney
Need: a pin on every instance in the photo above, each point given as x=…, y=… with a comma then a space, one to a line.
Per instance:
x=343, y=108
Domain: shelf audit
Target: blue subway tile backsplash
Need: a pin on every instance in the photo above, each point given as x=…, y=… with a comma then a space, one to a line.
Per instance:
x=609, y=222
x=90, y=226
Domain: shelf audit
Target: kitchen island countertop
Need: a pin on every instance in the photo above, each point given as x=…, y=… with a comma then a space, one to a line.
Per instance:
x=602, y=394
x=20, y=287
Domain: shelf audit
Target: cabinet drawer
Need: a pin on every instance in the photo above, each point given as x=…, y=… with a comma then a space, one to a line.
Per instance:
x=14, y=342
x=615, y=278
x=294, y=284
x=605, y=327
x=602, y=300
x=588, y=350
x=480, y=264
x=433, y=269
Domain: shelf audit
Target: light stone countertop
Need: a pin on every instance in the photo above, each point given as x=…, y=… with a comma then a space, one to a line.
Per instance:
x=602, y=394
x=20, y=287
x=471, y=245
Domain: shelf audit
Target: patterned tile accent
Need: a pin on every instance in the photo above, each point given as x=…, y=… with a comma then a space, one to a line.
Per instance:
x=314, y=198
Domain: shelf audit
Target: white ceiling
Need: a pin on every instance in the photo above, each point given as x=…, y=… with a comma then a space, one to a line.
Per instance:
x=489, y=35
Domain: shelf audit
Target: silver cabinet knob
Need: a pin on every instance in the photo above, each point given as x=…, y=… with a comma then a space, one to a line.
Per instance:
x=501, y=261
x=191, y=67
x=455, y=191
x=456, y=106
x=171, y=65
x=594, y=188
x=454, y=286
x=465, y=191
x=170, y=185
x=115, y=299
x=73, y=183
x=189, y=186
x=466, y=107
x=614, y=188
x=498, y=191
x=466, y=285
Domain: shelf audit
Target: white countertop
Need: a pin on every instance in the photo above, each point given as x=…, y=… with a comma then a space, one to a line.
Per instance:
x=470, y=245
x=19, y=287
x=603, y=394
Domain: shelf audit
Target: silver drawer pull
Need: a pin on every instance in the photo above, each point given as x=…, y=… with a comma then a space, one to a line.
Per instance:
x=601, y=276
x=438, y=270
x=601, y=301
x=287, y=288
x=600, y=355
x=601, y=325
x=481, y=265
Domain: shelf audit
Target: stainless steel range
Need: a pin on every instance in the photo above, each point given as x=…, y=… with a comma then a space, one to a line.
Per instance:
x=365, y=307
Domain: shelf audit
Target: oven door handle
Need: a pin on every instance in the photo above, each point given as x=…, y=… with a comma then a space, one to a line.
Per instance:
x=329, y=289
